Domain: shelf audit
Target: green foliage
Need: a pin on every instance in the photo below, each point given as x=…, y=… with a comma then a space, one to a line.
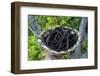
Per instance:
x=35, y=51
x=65, y=56
x=46, y=22
x=84, y=46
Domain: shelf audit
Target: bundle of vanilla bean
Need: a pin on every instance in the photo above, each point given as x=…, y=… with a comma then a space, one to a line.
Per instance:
x=60, y=38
